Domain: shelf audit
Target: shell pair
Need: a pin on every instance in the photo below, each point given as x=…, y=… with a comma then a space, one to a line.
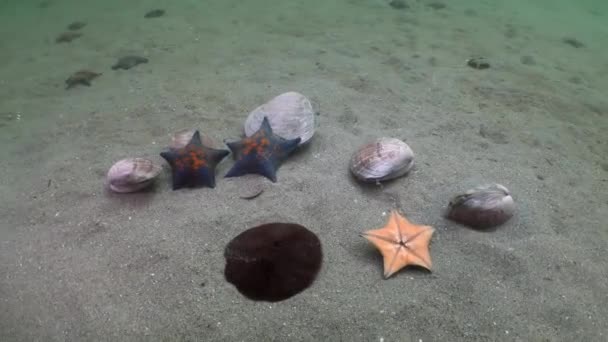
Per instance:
x=483, y=207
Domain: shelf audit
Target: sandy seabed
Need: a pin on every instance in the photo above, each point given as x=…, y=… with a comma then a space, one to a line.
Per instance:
x=80, y=264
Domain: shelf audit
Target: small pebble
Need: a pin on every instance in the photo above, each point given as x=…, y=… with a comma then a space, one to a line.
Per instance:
x=155, y=13
x=527, y=60
x=128, y=62
x=250, y=186
x=573, y=42
x=67, y=37
x=251, y=191
x=399, y=4
x=81, y=77
x=77, y=25
x=478, y=63
x=437, y=5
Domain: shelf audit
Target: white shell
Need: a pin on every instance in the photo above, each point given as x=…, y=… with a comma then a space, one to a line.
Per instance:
x=290, y=115
x=132, y=174
x=482, y=207
x=182, y=137
x=382, y=159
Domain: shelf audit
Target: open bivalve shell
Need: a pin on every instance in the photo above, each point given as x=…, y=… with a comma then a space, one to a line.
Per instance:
x=290, y=116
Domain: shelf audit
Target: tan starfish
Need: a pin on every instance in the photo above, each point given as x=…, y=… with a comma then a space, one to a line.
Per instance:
x=401, y=243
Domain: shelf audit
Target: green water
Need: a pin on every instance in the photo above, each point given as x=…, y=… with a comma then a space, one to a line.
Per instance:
x=81, y=263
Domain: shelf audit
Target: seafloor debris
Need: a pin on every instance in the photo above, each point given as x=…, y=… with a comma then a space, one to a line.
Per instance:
x=155, y=13
x=67, y=37
x=398, y=4
x=81, y=77
x=128, y=62
x=77, y=25
x=274, y=261
x=527, y=60
x=437, y=5
x=251, y=186
x=479, y=63
x=573, y=42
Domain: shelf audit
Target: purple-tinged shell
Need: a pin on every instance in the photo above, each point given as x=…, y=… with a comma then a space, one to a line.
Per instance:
x=290, y=116
x=132, y=174
x=382, y=159
x=483, y=207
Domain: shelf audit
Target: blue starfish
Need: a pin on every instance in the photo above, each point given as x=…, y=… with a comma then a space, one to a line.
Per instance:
x=194, y=165
x=261, y=153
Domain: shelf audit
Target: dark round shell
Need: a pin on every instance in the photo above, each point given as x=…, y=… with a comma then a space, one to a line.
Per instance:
x=273, y=261
x=483, y=207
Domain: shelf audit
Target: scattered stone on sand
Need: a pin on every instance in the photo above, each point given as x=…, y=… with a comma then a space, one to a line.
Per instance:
x=128, y=62
x=67, y=37
x=493, y=134
x=8, y=118
x=81, y=77
x=399, y=4
x=155, y=13
x=527, y=60
x=575, y=80
x=249, y=186
x=479, y=63
x=77, y=25
x=437, y=5
x=45, y=4
x=251, y=191
x=573, y=42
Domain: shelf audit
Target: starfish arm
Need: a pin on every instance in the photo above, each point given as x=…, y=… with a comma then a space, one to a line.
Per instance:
x=205, y=176
x=168, y=156
x=286, y=147
x=265, y=126
x=268, y=169
x=393, y=262
x=390, y=251
x=179, y=179
x=419, y=248
x=237, y=170
x=235, y=147
x=196, y=139
x=215, y=156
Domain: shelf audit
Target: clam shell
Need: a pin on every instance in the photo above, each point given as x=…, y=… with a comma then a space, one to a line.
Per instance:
x=482, y=207
x=382, y=159
x=290, y=115
x=132, y=174
x=182, y=137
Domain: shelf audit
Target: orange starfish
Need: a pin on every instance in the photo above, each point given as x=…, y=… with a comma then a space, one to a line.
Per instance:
x=401, y=243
